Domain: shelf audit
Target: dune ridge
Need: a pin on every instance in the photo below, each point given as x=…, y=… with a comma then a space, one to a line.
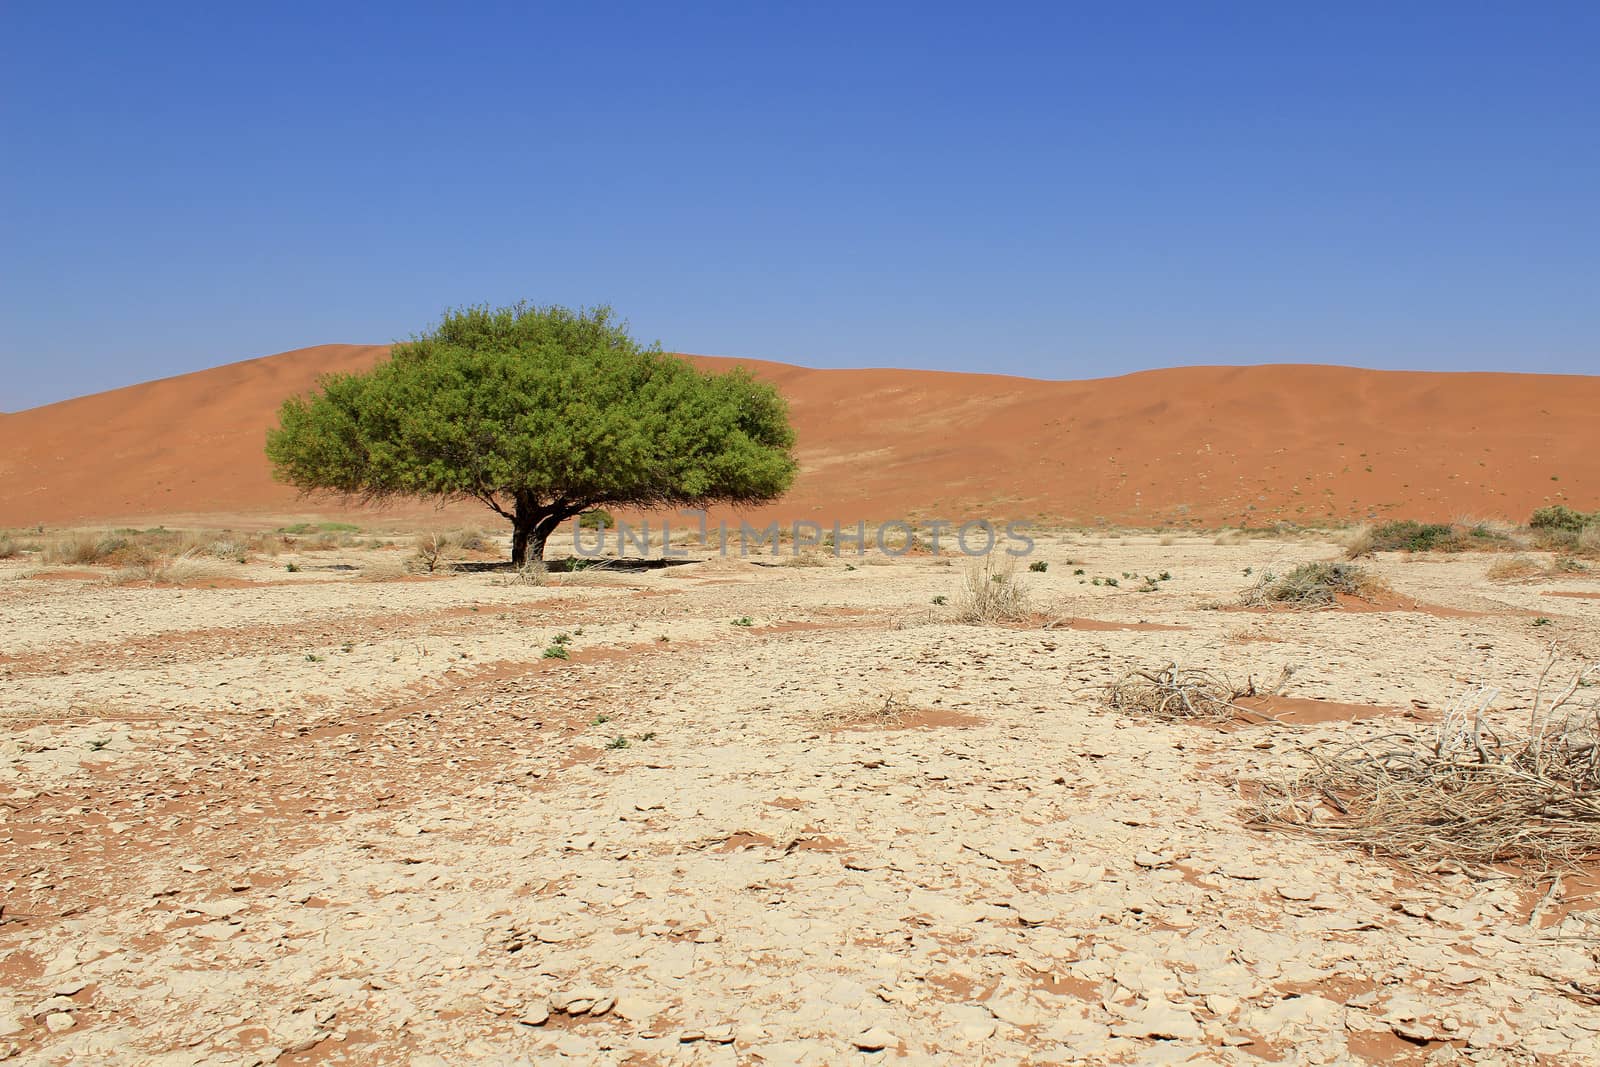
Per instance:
x=1190, y=445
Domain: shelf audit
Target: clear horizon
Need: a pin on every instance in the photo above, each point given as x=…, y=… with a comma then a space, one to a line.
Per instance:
x=1044, y=192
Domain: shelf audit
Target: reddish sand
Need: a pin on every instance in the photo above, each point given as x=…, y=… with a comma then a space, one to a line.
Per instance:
x=1205, y=445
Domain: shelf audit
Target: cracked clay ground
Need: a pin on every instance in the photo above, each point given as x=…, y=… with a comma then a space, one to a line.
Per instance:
x=316, y=818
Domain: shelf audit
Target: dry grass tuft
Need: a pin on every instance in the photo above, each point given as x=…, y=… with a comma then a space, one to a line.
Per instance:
x=533, y=572
x=1311, y=586
x=167, y=570
x=9, y=549
x=1513, y=568
x=1523, y=568
x=1358, y=542
x=992, y=591
x=1589, y=539
x=1462, y=791
x=83, y=547
x=1182, y=693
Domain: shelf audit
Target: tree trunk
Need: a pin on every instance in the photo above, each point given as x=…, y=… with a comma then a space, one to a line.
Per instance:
x=531, y=528
x=522, y=524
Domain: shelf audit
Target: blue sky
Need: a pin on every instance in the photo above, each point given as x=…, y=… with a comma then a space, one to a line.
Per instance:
x=1063, y=190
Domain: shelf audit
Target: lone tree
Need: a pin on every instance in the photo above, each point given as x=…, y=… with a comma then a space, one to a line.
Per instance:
x=541, y=413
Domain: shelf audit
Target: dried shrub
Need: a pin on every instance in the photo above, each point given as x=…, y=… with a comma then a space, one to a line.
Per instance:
x=430, y=552
x=1462, y=791
x=1178, y=693
x=889, y=709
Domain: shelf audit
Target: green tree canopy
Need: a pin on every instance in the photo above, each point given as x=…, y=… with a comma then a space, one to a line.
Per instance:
x=541, y=413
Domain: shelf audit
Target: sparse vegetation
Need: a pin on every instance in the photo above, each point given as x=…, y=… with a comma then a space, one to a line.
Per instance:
x=1408, y=535
x=744, y=620
x=319, y=527
x=1462, y=791
x=1038, y=566
x=1311, y=586
x=556, y=652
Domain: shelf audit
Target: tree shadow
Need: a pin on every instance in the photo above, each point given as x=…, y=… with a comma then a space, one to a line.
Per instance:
x=572, y=565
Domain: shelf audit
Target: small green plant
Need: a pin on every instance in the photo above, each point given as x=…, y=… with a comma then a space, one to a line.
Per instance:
x=293, y=568
x=1111, y=582
x=97, y=744
x=1541, y=621
x=600, y=719
x=561, y=639
x=649, y=735
x=744, y=620
x=1078, y=571
x=348, y=646
x=312, y=657
x=663, y=639
x=557, y=652
x=941, y=600
x=849, y=566
x=618, y=742
x=1039, y=566
x=1164, y=576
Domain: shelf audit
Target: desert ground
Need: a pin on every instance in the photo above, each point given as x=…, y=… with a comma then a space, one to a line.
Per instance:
x=312, y=808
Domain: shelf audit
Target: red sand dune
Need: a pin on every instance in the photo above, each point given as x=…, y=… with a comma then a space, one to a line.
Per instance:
x=1206, y=445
